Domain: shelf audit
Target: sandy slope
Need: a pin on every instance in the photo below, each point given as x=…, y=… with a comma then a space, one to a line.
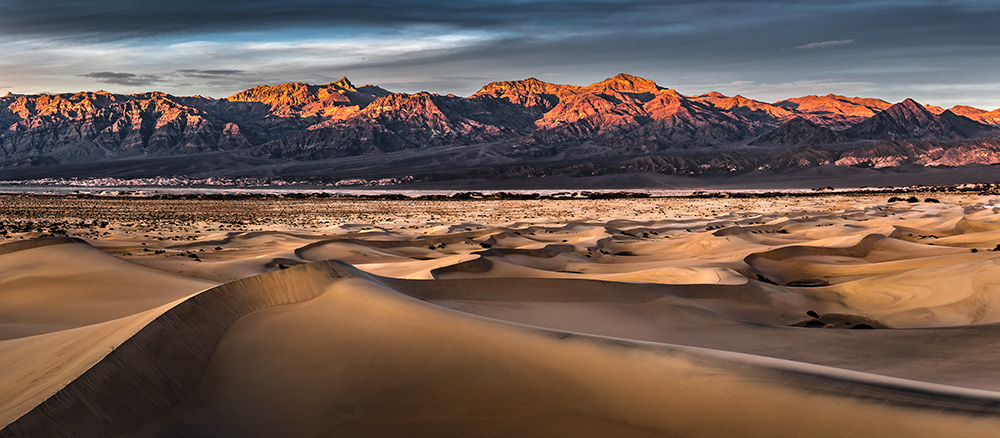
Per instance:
x=63, y=306
x=672, y=318
x=63, y=284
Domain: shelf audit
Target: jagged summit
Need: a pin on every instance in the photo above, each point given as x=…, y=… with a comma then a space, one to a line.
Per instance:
x=934, y=108
x=286, y=92
x=334, y=100
x=625, y=83
x=911, y=120
x=906, y=113
x=964, y=110
x=909, y=105
x=979, y=115
x=799, y=132
x=746, y=107
x=529, y=85
x=713, y=94
x=343, y=83
x=833, y=110
x=530, y=93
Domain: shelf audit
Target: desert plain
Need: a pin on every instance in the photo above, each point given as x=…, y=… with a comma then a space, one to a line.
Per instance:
x=780, y=315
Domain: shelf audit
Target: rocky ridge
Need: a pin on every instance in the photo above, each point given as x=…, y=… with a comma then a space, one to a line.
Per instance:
x=527, y=121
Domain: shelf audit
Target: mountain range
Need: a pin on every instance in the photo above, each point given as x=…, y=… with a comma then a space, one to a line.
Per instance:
x=510, y=129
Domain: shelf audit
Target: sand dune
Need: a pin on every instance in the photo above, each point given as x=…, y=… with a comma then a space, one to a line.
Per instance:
x=63, y=306
x=668, y=320
x=452, y=373
x=163, y=360
x=54, y=284
x=873, y=254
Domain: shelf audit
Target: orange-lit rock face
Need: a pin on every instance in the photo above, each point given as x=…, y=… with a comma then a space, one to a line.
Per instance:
x=613, y=105
x=530, y=93
x=799, y=131
x=620, y=116
x=97, y=125
x=981, y=116
x=337, y=100
x=414, y=109
x=623, y=83
x=744, y=106
x=910, y=120
x=833, y=110
x=934, y=109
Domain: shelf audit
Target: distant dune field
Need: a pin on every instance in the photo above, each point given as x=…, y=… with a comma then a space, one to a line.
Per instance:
x=827, y=315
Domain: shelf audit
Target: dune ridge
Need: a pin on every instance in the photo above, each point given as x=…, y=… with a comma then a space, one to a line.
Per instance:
x=165, y=358
x=21, y=245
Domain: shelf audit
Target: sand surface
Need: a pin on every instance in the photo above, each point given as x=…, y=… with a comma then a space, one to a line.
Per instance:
x=821, y=316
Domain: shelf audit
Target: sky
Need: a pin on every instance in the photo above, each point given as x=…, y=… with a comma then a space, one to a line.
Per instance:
x=936, y=51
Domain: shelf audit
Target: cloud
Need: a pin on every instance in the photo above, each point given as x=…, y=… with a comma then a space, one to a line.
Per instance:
x=825, y=44
x=116, y=78
x=210, y=74
x=107, y=20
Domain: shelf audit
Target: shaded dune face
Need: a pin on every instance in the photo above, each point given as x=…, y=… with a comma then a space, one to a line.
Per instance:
x=64, y=305
x=693, y=326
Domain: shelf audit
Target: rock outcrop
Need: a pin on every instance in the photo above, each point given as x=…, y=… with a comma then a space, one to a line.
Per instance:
x=799, y=132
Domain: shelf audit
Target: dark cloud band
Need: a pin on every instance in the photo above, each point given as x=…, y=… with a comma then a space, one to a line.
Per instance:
x=117, y=78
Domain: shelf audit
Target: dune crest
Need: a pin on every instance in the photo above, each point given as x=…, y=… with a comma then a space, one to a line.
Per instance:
x=166, y=357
